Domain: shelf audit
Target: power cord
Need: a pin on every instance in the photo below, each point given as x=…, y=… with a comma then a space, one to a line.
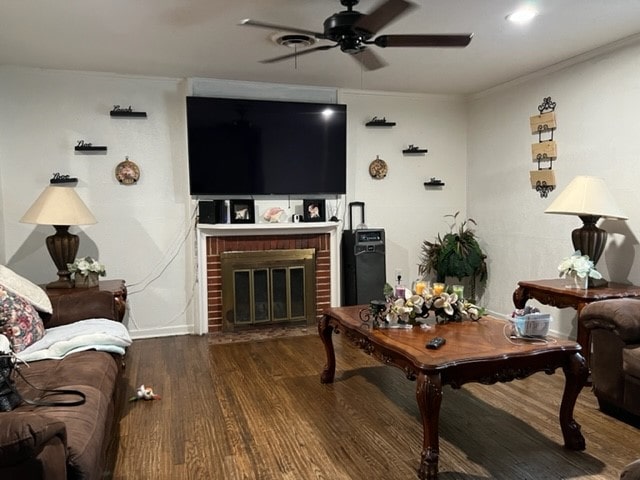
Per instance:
x=181, y=239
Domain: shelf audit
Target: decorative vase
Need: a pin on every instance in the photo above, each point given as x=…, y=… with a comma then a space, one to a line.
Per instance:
x=86, y=281
x=578, y=282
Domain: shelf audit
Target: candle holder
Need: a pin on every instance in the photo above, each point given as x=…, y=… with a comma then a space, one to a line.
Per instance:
x=374, y=313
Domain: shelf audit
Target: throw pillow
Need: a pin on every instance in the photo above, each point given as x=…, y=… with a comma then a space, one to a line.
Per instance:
x=28, y=290
x=19, y=320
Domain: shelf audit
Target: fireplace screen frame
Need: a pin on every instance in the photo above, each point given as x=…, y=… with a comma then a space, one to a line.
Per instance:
x=247, y=264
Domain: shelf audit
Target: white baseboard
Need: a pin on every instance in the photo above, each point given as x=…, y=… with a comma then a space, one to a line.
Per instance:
x=161, y=332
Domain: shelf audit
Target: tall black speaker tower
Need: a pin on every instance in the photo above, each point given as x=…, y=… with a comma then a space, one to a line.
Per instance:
x=363, y=263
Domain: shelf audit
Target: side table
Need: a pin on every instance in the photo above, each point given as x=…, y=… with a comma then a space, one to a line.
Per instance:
x=116, y=287
x=556, y=294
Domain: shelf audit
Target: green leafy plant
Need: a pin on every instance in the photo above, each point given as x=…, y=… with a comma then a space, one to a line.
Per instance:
x=456, y=254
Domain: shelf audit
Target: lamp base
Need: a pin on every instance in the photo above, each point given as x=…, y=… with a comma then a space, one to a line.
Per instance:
x=63, y=247
x=597, y=283
x=589, y=239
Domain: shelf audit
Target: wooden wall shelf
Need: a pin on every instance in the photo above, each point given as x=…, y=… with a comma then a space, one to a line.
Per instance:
x=126, y=112
x=379, y=122
x=414, y=151
x=434, y=182
x=90, y=148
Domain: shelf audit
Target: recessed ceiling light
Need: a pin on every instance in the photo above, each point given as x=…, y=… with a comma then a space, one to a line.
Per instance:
x=523, y=15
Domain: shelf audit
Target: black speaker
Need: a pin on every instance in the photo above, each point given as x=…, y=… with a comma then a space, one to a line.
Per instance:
x=213, y=211
x=363, y=266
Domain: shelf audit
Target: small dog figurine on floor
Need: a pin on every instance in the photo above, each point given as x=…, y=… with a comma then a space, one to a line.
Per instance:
x=144, y=393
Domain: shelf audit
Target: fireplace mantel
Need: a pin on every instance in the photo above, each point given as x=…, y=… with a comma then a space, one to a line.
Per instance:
x=261, y=229
x=223, y=229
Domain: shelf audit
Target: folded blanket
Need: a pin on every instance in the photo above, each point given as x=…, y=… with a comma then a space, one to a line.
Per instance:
x=92, y=334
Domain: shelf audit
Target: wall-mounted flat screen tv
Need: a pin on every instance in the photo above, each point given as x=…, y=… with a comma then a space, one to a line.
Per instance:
x=260, y=147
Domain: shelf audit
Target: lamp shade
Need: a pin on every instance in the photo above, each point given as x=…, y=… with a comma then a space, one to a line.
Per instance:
x=58, y=205
x=587, y=196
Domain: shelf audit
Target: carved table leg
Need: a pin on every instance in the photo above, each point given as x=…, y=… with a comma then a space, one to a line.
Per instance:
x=326, y=330
x=429, y=396
x=576, y=373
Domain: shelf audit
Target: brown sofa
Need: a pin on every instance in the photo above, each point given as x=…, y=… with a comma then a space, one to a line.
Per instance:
x=614, y=326
x=67, y=442
x=631, y=471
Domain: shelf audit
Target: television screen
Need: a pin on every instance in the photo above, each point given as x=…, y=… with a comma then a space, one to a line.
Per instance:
x=260, y=147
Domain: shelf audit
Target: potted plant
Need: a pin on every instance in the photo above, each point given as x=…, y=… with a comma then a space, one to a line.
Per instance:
x=579, y=268
x=456, y=254
x=86, y=271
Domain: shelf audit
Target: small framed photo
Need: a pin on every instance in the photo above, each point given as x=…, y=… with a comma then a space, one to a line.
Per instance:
x=313, y=210
x=242, y=211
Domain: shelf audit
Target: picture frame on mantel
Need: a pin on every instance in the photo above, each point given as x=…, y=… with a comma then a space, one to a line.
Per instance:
x=313, y=210
x=242, y=211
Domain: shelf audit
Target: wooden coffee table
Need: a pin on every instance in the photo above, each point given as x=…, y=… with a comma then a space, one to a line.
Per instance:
x=474, y=352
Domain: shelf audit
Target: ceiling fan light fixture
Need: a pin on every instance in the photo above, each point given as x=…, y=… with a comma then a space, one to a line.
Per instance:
x=523, y=15
x=293, y=40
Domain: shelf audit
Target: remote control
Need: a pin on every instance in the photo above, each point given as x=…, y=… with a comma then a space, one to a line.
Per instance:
x=435, y=343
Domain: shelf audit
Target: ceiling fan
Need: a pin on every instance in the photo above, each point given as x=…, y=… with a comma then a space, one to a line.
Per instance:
x=354, y=32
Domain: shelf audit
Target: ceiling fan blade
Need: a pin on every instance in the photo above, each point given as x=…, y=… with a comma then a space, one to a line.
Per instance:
x=298, y=53
x=368, y=59
x=423, y=40
x=272, y=26
x=384, y=14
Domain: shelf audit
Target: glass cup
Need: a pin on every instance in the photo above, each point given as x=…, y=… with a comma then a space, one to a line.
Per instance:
x=438, y=288
x=420, y=287
x=458, y=290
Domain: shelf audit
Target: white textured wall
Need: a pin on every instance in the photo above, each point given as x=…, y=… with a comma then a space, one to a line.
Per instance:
x=409, y=212
x=140, y=227
x=597, y=134
x=480, y=148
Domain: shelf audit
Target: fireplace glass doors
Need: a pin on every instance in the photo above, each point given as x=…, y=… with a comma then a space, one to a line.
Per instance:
x=268, y=287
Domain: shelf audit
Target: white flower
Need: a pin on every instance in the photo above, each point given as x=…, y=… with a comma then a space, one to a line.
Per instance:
x=415, y=302
x=580, y=265
x=399, y=311
x=86, y=265
x=446, y=302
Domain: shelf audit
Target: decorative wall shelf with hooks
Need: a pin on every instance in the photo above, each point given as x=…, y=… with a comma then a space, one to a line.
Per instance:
x=414, y=150
x=543, y=180
x=119, y=111
x=83, y=146
x=379, y=122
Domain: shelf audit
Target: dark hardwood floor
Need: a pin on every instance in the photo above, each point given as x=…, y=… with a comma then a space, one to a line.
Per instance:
x=257, y=410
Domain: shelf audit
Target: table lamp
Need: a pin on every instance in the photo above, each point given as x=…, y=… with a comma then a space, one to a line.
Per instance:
x=590, y=199
x=61, y=207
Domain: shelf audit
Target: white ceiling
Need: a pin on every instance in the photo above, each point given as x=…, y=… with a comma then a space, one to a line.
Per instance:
x=201, y=38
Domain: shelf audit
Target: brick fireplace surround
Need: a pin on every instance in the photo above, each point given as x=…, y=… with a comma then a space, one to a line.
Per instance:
x=216, y=239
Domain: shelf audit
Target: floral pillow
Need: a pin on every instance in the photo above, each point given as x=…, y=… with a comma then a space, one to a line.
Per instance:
x=19, y=320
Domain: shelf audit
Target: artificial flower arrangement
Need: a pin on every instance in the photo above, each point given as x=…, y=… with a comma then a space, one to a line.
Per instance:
x=446, y=306
x=86, y=265
x=578, y=265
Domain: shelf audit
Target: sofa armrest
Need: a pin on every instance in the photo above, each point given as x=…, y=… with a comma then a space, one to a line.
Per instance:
x=631, y=471
x=72, y=308
x=23, y=435
x=620, y=315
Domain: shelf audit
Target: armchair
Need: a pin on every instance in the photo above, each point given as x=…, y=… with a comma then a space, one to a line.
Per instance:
x=615, y=357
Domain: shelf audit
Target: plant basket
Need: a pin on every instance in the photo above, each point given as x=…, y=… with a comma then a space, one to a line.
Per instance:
x=86, y=281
